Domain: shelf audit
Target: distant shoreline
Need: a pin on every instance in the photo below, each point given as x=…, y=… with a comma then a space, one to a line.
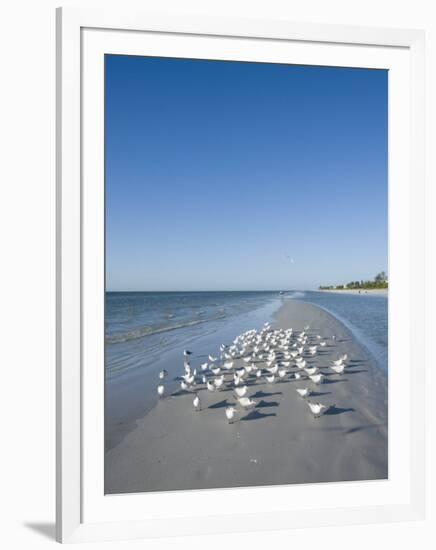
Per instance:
x=368, y=291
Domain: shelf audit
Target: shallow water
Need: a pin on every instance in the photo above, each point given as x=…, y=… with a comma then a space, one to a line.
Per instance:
x=366, y=315
x=143, y=326
x=141, y=340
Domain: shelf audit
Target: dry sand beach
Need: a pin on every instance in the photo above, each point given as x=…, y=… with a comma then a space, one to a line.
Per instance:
x=279, y=442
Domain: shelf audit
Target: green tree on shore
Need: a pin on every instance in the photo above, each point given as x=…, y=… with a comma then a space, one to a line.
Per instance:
x=379, y=281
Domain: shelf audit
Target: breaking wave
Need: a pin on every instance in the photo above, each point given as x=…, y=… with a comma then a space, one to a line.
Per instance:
x=296, y=294
x=147, y=331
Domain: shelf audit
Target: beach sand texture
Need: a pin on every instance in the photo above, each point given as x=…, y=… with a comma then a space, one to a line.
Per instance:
x=174, y=447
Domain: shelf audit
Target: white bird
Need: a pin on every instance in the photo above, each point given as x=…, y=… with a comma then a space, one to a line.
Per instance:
x=344, y=357
x=228, y=365
x=240, y=392
x=210, y=386
x=187, y=353
x=204, y=366
x=216, y=370
x=246, y=402
x=240, y=372
x=247, y=359
x=323, y=344
x=273, y=370
x=212, y=359
x=311, y=370
x=297, y=376
x=303, y=392
x=270, y=379
x=259, y=373
x=230, y=413
x=317, y=409
x=338, y=362
x=196, y=403
x=161, y=390
x=338, y=369
x=316, y=378
x=204, y=379
x=184, y=385
x=189, y=379
x=163, y=374
x=219, y=382
x=282, y=373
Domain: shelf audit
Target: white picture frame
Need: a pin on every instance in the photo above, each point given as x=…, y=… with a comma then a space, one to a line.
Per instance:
x=83, y=36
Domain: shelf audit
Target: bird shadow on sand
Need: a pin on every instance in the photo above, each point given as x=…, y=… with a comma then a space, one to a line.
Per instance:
x=355, y=371
x=180, y=392
x=256, y=415
x=361, y=428
x=266, y=404
x=335, y=381
x=334, y=410
x=259, y=394
x=319, y=393
x=355, y=362
x=220, y=404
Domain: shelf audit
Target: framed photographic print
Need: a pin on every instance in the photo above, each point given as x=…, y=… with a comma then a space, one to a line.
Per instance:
x=240, y=219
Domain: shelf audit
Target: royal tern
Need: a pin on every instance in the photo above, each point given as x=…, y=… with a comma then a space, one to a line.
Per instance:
x=338, y=369
x=247, y=403
x=303, y=392
x=317, y=378
x=317, y=409
x=196, y=403
x=240, y=392
x=230, y=413
x=311, y=370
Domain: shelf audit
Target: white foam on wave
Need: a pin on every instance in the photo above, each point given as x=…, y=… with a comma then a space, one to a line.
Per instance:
x=296, y=294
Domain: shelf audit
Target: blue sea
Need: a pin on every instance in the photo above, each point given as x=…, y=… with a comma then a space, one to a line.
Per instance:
x=148, y=331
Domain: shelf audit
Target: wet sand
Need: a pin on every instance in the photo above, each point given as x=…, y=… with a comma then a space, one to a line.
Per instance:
x=174, y=447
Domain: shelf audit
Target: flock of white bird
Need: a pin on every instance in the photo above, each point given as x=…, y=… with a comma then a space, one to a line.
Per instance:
x=269, y=355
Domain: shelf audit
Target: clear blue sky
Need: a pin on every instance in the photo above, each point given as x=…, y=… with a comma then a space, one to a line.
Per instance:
x=234, y=176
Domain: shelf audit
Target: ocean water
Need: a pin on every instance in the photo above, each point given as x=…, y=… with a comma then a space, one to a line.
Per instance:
x=146, y=332
x=141, y=327
x=366, y=315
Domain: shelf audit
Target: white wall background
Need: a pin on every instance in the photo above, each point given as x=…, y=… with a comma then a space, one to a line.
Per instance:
x=27, y=139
